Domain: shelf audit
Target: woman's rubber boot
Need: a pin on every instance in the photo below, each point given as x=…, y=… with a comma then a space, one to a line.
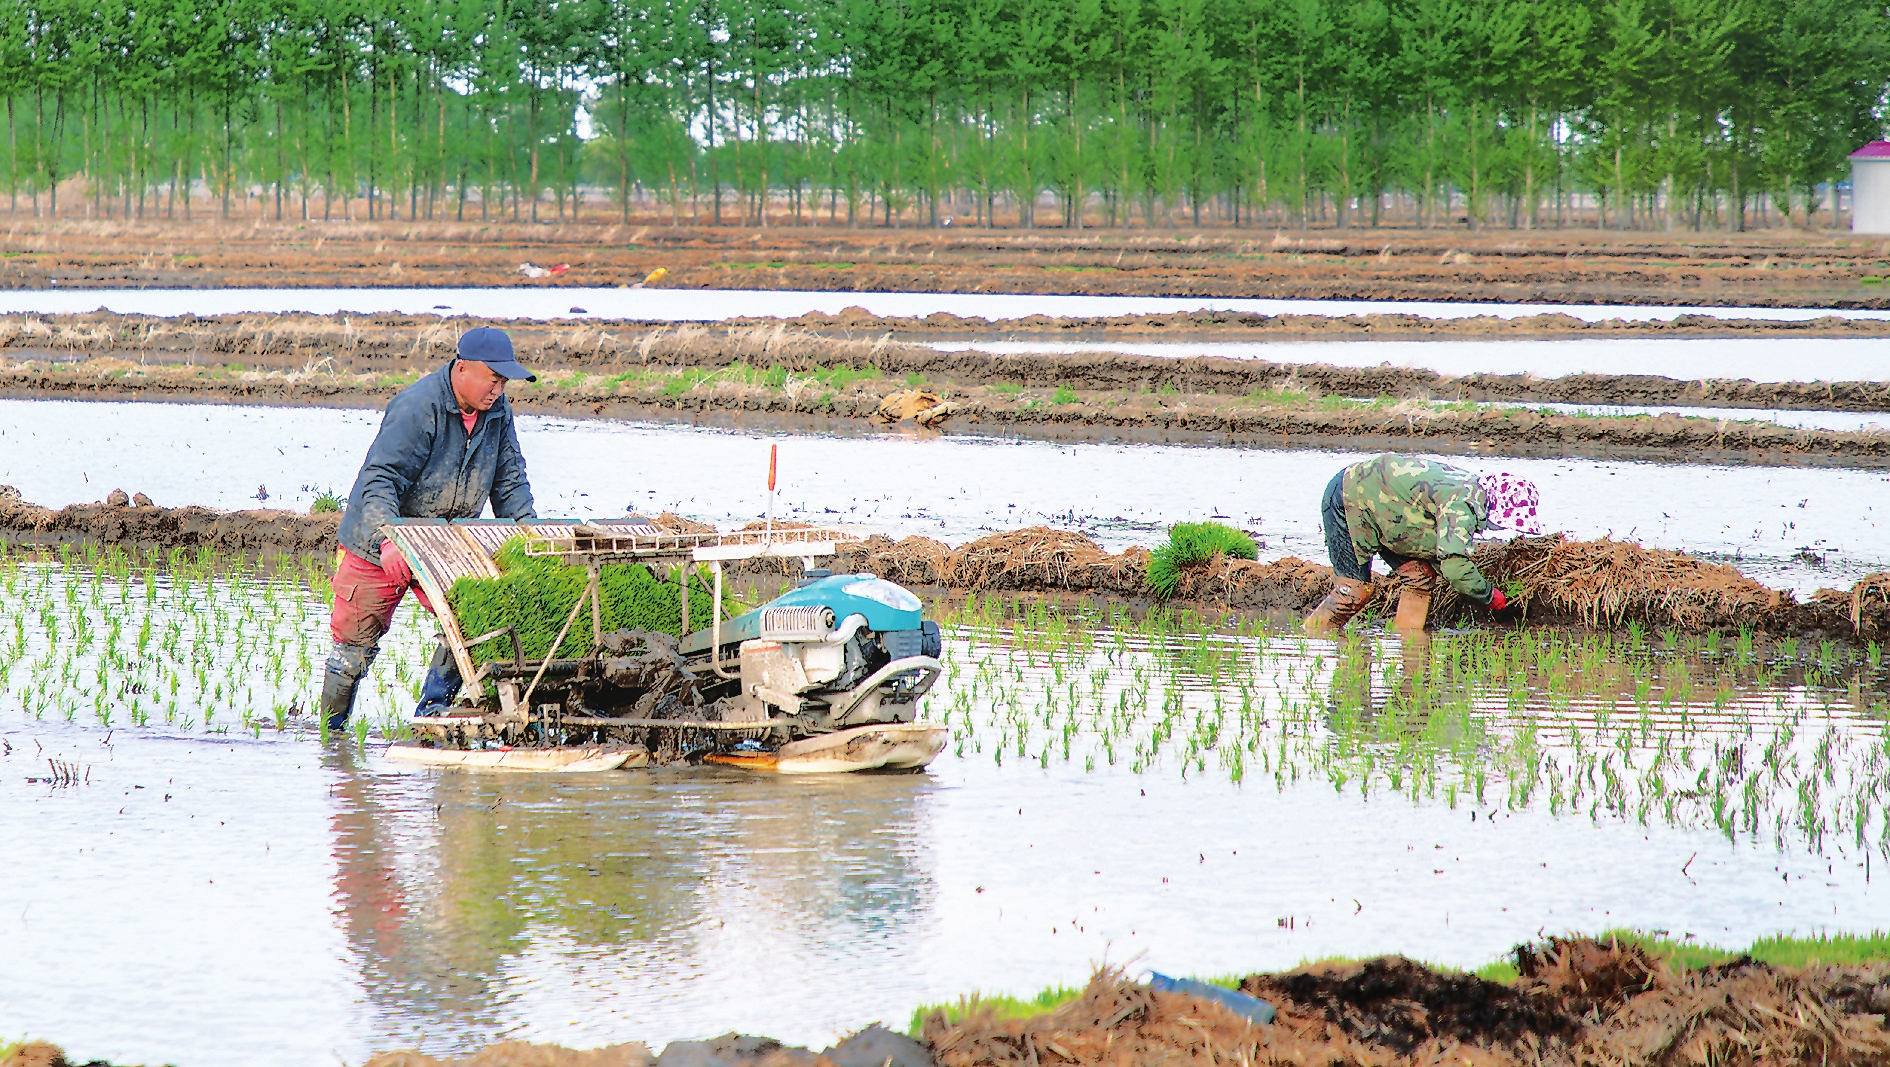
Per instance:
x=1348, y=597
x=1414, y=598
x=442, y=683
x=341, y=676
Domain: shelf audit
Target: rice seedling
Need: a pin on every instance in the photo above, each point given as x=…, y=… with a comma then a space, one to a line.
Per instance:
x=180, y=641
x=1575, y=723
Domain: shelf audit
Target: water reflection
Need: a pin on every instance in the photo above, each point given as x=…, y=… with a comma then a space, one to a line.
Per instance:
x=469, y=900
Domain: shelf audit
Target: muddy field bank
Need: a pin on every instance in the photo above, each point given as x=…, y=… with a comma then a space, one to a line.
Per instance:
x=1599, y=584
x=831, y=399
x=1576, y=1003
x=405, y=345
x=1768, y=268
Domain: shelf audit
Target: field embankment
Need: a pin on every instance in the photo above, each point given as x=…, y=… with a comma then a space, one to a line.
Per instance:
x=804, y=379
x=1783, y=268
x=1573, y=1003
x=1597, y=584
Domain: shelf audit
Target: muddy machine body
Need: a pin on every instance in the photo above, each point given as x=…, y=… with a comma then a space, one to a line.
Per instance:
x=828, y=677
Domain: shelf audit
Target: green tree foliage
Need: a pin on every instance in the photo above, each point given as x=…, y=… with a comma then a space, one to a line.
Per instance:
x=1656, y=113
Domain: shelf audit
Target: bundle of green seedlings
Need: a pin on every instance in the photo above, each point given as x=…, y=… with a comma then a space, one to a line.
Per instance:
x=534, y=595
x=1190, y=544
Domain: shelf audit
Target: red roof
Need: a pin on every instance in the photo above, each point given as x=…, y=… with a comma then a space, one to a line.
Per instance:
x=1873, y=150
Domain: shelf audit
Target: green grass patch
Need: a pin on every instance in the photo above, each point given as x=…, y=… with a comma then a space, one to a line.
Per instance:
x=681, y=383
x=1277, y=396
x=1064, y=395
x=1007, y=388
x=1000, y=1005
x=1779, y=950
x=326, y=503
x=1190, y=543
x=535, y=595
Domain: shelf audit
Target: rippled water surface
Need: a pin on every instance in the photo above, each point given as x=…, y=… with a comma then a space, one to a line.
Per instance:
x=548, y=302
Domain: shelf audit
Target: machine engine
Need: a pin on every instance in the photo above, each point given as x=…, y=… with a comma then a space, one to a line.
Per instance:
x=835, y=652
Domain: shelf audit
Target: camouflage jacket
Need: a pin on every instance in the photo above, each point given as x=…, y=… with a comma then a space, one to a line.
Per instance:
x=1421, y=510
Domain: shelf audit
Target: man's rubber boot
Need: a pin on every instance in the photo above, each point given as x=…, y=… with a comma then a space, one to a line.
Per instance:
x=1414, y=599
x=442, y=683
x=341, y=676
x=1349, y=596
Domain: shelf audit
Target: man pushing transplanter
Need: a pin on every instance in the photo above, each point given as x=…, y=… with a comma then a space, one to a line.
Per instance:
x=1422, y=517
x=446, y=446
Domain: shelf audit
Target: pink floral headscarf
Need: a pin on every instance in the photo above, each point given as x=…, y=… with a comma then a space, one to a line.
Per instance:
x=1512, y=502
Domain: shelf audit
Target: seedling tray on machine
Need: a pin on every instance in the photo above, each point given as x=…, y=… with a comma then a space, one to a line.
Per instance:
x=441, y=552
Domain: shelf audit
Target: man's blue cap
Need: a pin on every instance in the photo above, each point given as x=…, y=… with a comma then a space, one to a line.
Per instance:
x=491, y=346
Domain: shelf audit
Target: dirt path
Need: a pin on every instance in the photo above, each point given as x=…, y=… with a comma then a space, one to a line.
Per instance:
x=1765, y=268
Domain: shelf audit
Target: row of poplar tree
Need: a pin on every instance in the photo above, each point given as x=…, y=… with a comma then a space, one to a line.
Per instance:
x=1690, y=113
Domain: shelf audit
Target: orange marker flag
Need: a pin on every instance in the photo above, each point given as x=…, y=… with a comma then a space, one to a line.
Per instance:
x=773, y=453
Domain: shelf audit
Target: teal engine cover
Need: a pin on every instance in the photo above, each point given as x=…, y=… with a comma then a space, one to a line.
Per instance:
x=887, y=607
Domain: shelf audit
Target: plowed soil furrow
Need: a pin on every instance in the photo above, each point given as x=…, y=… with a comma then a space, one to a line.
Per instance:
x=1794, y=268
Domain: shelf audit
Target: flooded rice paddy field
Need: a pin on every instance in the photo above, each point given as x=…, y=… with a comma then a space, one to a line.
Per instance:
x=1780, y=359
x=1197, y=795
x=1791, y=528
x=693, y=305
x=1839, y=421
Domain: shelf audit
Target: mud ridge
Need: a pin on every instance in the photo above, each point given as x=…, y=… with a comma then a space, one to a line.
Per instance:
x=1602, y=584
x=392, y=344
x=152, y=529
x=1775, y=268
x=743, y=396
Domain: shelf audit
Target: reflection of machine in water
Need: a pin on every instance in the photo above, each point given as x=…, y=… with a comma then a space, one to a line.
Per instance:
x=462, y=894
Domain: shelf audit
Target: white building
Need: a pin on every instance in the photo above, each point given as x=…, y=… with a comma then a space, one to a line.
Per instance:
x=1870, y=188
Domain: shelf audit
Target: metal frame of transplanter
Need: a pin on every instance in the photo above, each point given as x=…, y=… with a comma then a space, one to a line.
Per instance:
x=441, y=552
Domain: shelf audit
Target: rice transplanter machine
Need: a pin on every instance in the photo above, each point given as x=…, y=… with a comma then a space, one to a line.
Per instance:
x=827, y=677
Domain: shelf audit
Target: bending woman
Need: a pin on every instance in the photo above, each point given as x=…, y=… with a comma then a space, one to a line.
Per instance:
x=1421, y=516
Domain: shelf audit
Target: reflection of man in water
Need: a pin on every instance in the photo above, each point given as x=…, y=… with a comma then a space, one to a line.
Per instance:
x=446, y=446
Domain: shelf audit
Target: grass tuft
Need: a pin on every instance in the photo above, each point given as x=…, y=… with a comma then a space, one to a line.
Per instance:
x=1191, y=543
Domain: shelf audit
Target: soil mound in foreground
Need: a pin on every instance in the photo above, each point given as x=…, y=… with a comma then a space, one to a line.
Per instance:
x=1577, y=1002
